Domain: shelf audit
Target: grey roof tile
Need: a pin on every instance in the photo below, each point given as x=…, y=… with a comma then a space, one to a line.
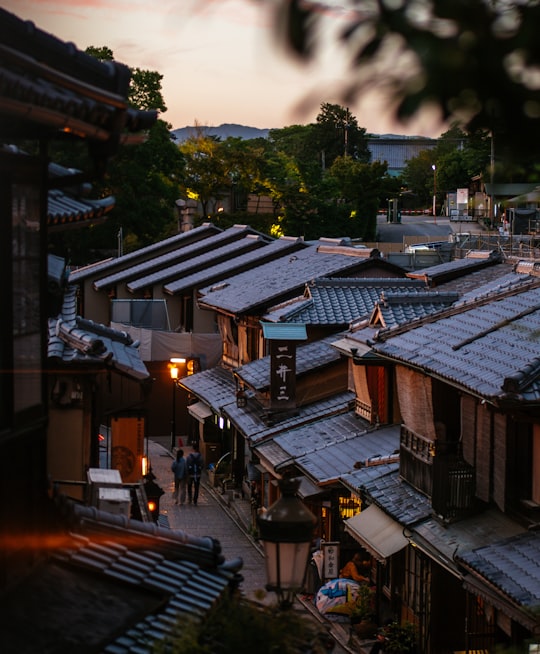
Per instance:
x=261, y=287
x=186, y=256
x=396, y=497
x=512, y=565
x=341, y=301
x=483, y=533
x=457, y=268
x=147, y=253
x=77, y=598
x=333, y=460
x=395, y=309
x=213, y=273
x=66, y=211
x=330, y=447
x=215, y=386
x=191, y=263
x=499, y=335
x=251, y=421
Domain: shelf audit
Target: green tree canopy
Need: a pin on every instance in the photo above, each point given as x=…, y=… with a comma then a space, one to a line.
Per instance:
x=337, y=134
x=361, y=189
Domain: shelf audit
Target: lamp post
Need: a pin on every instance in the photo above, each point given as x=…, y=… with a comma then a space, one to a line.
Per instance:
x=174, y=376
x=286, y=532
x=434, y=168
x=174, y=372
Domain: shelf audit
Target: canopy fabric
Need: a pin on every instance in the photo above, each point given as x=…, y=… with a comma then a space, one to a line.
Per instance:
x=200, y=411
x=376, y=532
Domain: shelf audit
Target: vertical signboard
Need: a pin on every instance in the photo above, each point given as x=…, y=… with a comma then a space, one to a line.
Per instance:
x=127, y=447
x=330, y=551
x=282, y=374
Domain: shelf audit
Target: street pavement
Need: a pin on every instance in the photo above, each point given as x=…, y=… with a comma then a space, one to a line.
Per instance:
x=210, y=517
x=226, y=520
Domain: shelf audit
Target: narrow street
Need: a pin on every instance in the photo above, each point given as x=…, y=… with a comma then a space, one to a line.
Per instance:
x=212, y=517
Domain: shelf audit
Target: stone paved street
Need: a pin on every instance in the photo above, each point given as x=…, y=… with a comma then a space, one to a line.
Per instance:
x=213, y=517
x=210, y=518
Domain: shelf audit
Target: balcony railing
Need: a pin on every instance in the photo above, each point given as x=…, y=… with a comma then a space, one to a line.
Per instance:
x=437, y=469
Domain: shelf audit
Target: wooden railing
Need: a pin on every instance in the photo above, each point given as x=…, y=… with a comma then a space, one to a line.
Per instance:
x=437, y=469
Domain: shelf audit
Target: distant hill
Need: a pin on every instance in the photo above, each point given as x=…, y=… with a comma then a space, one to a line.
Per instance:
x=222, y=131
x=244, y=132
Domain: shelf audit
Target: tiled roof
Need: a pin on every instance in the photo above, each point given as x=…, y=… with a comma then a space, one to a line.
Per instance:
x=341, y=301
x=396, y=497
x=492, y=286
x=186, y=257
x=329, y=448
x=213, y=273
x=76, y=341
x=147, y=253
x=115, y=585
x=255, y=427
x=498, y=335
x=48, y=86
x=511, y=565
x=284, y=278
x=356, y=479
x=395, y=309
x=64, y=211
x=443, y=272
x=309, y=357
x=215, y=386
x=332, y=461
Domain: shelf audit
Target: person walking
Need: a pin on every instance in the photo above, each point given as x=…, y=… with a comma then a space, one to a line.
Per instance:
x=179, y=468
x=195, y=465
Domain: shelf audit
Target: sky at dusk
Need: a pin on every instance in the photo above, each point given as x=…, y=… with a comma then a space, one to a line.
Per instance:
x=220, y=60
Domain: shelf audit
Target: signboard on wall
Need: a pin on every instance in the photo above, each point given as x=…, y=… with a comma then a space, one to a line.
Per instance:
x=127, y=447
x=282, y=374
x=330, y=552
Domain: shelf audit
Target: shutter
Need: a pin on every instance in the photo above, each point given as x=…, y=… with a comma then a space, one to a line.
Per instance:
x=415, y=402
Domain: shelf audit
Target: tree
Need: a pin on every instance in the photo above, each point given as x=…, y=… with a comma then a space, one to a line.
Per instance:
x=360, y=187
x=337, y=134
x=145, y=85
x=457, y=157
x=474, y=60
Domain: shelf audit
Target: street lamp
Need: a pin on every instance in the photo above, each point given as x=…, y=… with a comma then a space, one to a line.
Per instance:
x=434, y=168
x=286, y=532
x=174, y=371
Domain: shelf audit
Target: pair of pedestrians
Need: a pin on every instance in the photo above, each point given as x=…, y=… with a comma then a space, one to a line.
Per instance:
x=187, y=475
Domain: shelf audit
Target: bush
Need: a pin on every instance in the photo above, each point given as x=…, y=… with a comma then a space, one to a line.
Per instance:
x=239, y=626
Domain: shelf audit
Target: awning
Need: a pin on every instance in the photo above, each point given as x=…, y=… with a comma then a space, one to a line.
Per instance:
x=200, y=411
x=376, y=532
